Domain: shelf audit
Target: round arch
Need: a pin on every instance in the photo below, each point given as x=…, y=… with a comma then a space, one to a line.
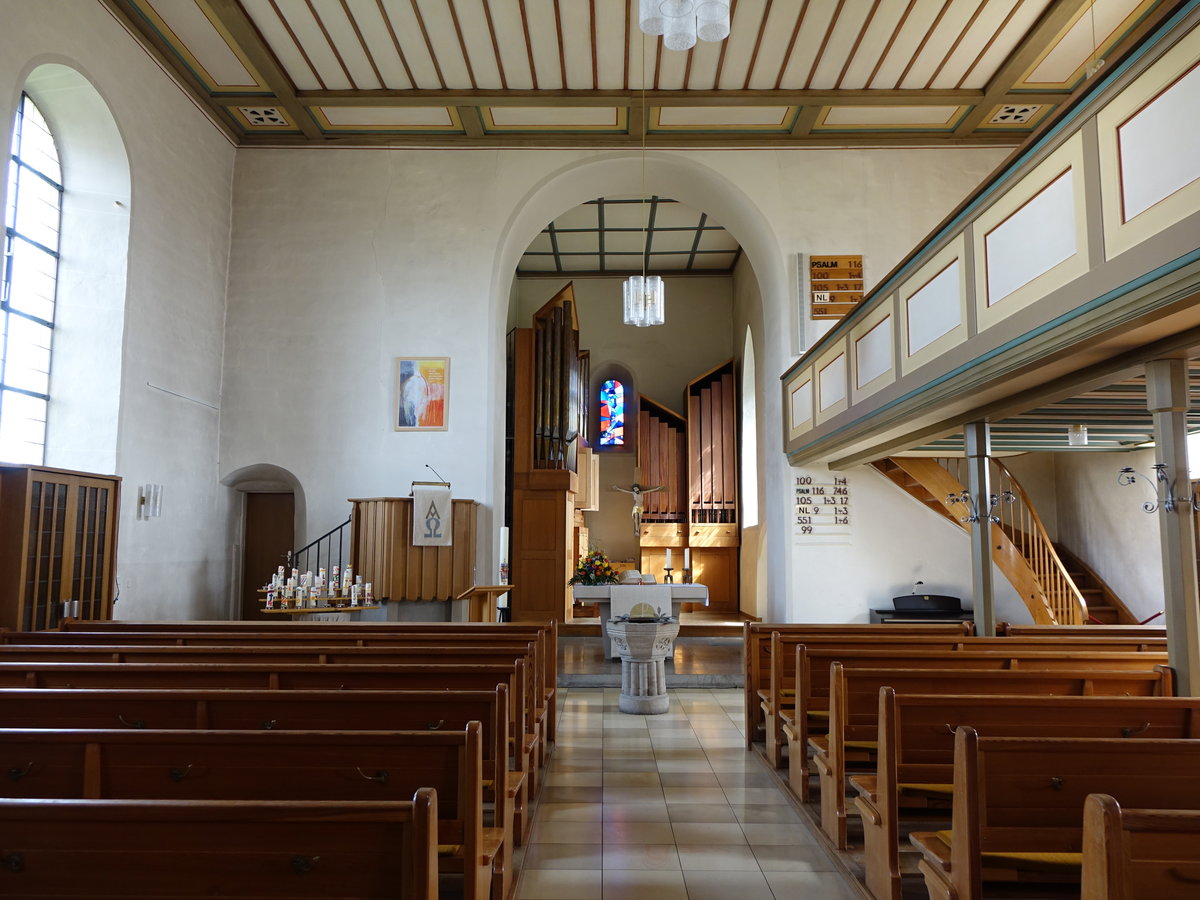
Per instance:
x=700, y=186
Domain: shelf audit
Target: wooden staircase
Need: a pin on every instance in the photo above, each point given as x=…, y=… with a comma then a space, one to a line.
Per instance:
x=1022, y=549
x=1103, y=605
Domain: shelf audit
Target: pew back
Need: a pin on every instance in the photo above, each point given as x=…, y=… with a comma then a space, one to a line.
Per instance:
x=227, y=848
x=1139, y=854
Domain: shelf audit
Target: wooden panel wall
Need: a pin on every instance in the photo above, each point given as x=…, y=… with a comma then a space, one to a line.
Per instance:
x=382, y=551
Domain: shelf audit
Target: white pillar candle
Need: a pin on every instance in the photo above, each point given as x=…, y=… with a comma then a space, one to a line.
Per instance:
x=687, y=557
x=668, y=557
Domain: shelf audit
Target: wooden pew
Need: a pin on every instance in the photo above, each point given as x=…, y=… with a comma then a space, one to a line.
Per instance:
x=193, y=849
x=504, y=785
x=756, y=652
x=1018, y=805
x=854, y=709
x=1139, y=854
x=916, y=745
x=782, y=655
x=441, y=654
x=291, y=676
x=810, y=697
x=1058, y=632
x=543, y=671
x=137, y=764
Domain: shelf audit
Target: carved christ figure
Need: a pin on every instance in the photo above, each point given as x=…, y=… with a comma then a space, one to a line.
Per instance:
x=636, y=492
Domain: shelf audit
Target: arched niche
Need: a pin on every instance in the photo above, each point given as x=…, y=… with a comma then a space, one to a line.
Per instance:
x=85, y=377
x=603, y=373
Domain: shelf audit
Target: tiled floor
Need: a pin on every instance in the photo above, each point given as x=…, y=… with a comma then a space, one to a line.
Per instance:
x=666, y=808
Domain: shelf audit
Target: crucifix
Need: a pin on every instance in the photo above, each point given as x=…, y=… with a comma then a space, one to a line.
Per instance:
x=636, y=492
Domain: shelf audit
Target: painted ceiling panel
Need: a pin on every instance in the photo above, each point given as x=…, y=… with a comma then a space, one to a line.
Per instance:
x=816, y=24
x=316, y=46
x=195, y=31
x=577, y=44
x=1024, y=17
x=739, y=46
x=375, y=34
x=285, y=49
x=472, y=19
x=492, y=48
x=611, y=41
x=543, y=32
x=350, y=47
x=841, y=44
x=510, y=36
x=412, y=44
x=874, y=42
x=905, y=43
x=398, y=117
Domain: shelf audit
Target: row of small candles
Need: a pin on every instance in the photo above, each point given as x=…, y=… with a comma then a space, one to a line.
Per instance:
x=305, y=590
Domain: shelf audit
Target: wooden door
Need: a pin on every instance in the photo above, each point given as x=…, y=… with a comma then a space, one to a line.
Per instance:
x=269, y=534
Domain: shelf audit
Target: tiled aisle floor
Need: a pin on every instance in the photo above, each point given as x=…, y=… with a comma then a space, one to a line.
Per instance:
x=666, y=808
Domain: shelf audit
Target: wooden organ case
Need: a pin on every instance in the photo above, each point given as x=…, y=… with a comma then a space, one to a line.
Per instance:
x=546, y=394
x=713, y=520
x=696, y=459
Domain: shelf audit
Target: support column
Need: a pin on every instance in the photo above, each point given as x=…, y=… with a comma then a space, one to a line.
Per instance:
x=979, y=450
x=1167, y=398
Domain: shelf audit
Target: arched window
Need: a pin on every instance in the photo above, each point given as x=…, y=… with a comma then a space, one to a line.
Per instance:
x=31, y=240
x=612, y=413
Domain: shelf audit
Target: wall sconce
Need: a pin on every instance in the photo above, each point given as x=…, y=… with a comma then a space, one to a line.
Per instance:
x=964, y=497
x=1164, y=490
x=149, y=501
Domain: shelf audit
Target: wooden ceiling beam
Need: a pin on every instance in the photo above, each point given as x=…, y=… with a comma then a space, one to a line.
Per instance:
x=425, y=98
x=234, y=19
x=591, y=140
x=471, y=121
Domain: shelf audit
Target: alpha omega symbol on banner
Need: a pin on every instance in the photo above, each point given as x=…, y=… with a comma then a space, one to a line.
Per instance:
x=433, y=523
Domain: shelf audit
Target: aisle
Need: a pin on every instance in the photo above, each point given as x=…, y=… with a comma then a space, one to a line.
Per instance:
x=668, y=807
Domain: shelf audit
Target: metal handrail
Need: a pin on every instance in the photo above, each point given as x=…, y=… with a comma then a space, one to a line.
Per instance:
x=309, y=557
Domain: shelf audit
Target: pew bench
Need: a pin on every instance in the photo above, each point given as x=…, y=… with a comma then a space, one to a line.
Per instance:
x=1017, y=814
x=806, y=707
x=139, y=764
x=756, y=651
x=854, y=705
x=543, y=634
x=504, y=785
x=914, y=771
x=245, y=850
x=1139, y=854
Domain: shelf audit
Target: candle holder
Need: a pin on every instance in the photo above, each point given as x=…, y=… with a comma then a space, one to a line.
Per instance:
x=668, y=578
x=686, y=575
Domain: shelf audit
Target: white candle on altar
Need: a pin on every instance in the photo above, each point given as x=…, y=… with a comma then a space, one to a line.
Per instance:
x=687, y=557
x=668, y=557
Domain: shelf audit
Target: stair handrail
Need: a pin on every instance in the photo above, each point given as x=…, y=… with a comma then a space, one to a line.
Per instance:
x=1026, y=530
x=1058, y=599
x=306, y=553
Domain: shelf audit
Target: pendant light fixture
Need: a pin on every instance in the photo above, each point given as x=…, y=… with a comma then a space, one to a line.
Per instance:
x=645, y=296
x=680, y=22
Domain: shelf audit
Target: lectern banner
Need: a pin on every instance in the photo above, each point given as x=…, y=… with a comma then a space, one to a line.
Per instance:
x=432, y=526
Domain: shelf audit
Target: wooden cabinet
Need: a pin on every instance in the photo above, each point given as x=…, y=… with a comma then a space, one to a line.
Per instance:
x=58, y=541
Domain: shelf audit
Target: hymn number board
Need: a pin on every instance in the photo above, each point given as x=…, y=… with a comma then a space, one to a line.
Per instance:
x=823, y=510
x=837, y=285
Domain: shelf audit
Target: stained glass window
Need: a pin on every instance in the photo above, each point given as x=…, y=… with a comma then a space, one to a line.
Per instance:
x=612, y=414
x=29, y=277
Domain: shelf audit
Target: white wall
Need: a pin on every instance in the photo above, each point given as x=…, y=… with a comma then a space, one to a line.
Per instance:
x=345, y=259
x=1104, y=525
x=895, y=542
x=179, y=221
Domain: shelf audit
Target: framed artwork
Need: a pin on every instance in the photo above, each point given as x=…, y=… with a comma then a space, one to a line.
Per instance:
x=422, y=390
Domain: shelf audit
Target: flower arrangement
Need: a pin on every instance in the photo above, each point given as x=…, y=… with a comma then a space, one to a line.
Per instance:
x=594, y=569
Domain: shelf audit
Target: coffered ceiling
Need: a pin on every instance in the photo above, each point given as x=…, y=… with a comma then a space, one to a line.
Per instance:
x=561, y=73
